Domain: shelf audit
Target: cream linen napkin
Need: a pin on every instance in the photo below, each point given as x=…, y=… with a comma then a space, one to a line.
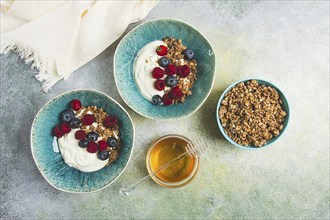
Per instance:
x=58, y=37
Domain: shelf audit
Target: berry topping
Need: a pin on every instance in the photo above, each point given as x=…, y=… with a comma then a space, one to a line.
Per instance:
x=156, y=100
x=103, y=155
x=58, y=132
x=83, y=143
x=75, y=104
x=176, y=93
x=67, y=115
x=158, y=73
x=161, y=50
x=160, y=84
x=110, y=121
x=171, y=81
x=102, y=145
x=170, y=70
x=75, y=123
x=183, y=71
x=188, y=54
x=167, y=100
x=112, y=142
x=65, y=127
x=92, y=136
x=163, y=61
x=88, y=119
x=92, y=147
x=80, y=135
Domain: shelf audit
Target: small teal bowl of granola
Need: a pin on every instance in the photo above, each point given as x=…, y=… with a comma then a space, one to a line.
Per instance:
x=231, y=126
x=150, y=31
x=50, y=161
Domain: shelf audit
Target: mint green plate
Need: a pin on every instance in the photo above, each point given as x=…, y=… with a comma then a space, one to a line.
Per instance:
x=143, y=34
x=51, y=164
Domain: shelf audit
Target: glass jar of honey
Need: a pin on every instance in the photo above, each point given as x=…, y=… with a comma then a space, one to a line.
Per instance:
x=164, y=150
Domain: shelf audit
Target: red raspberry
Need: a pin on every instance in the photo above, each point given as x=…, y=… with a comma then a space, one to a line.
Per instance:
x=80, y=135
x=92, y=147
x=176, y=93
x=183, y=71
x=158, y=73
x=88, y=119
x=75, y=104
x=160, y=84
x=170, y=70
x=102, y=145
x=65, y=127
x=161, y=50
x=110, y=121
x=167, y=100
x=58, y=132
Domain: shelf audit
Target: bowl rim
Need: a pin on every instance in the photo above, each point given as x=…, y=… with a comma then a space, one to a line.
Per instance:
x=116, y=81
x=37, y=163
x=260, y=81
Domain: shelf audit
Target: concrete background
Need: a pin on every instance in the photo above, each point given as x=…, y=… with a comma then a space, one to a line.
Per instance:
x=284, y=42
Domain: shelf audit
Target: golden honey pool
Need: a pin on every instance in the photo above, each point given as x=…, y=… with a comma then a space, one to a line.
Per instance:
x=164, y=150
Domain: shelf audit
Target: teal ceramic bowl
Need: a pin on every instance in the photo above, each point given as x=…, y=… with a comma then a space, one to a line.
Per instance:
x=143, y=34
x=285, y=106
x=51, y=164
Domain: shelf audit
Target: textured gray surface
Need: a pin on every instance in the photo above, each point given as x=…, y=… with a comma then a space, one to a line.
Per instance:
x=284, y=42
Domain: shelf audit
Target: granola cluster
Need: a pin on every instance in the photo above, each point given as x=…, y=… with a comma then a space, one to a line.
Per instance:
x=104, y=132
x=251, y=114
x=176, y=56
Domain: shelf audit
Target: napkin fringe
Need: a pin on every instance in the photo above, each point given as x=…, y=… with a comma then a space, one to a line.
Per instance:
x=50, y=69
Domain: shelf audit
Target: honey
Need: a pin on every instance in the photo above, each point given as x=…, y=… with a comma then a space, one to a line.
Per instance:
x=164, y=151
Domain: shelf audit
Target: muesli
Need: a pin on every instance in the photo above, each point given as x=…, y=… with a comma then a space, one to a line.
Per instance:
x=251, y=114
x=88, y=138
x=165, y=71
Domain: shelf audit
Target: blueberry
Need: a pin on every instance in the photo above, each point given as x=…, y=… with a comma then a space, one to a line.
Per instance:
x=171, y=81
x=188, y=54
x=163, y=62
x=83, y=143
x=112, y=142
x=156, y=100
x=75, y=122
x=103, y=155
x=67, y=115
x=92, y=136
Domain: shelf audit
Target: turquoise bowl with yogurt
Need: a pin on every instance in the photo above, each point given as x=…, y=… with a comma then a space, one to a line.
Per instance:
x=51, y=164
x=126, y=55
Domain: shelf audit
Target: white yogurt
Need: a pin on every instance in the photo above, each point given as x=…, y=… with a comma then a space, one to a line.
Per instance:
x=78, y=157
x=145, y=62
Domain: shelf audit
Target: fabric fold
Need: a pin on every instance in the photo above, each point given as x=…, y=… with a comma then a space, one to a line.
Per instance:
x=69, y=34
